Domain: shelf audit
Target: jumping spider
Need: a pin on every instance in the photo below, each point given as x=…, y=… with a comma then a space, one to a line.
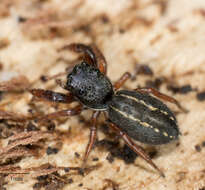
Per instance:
x=132, y=114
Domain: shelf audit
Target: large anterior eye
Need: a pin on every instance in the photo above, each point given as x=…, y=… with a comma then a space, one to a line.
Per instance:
x=78, y=69
x=81, y=91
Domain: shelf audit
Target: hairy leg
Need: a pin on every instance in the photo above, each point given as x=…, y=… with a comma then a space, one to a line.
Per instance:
x=101, y=61
x=93, y=135
x=122, y=80
x=92, y=54
x=48, y=95
x=162, y=96
x=63, y=113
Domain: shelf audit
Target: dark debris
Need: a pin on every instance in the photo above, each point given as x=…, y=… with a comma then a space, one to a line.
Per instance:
x=110, y=158
x=43, y=78
x=156, y=83
x=200, y=96
x=31, y=127
x=124, y=153
x=77, y=155
x=95, y=159
x=152, y=153
x=110, y=184
x=180, y=89
x=21, y=19
x=50, y=182
x=51, y=150
x=198, y=148
x=80, y=185
x=51, y=126
x=142, y=69
x=70, y=180
x=105, y=19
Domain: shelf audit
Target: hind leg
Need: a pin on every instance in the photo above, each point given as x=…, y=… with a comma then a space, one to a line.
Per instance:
x=136, y=148
x=161, y=96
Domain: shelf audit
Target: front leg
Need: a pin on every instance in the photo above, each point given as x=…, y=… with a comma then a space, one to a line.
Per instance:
x=91, y=54
x=48, y=95
x=101, y=61
x=93, y=135
x=136, y=148
x=122, y=80
x=63, y=113
x=162, y=96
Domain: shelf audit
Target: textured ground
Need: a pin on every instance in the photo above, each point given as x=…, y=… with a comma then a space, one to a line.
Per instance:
x=167, y=36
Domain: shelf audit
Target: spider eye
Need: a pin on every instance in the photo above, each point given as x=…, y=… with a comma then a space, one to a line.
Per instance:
x=69, y=80
x=81, y=92
x=89, y=87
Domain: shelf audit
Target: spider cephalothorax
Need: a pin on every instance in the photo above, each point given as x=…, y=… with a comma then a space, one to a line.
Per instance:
x=90, y=86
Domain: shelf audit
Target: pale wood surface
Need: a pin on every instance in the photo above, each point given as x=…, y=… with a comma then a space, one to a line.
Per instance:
x=169, y=36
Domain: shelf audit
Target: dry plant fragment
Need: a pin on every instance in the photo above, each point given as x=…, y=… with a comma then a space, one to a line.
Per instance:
x=12, y=116
x=19, y=152
x=47, y=24
x=19, y=140
x=4, y=42
x=4, y=8
x=110, y=184
x=19, y=83
x=42, y=170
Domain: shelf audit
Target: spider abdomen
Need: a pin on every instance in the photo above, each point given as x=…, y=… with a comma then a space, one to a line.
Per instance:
x=143, y=117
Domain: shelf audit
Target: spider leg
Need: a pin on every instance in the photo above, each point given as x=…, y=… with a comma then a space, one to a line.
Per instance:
x=93, y=136
x=101, y=61
x=136, y=148
x=92, y=55
x=68, y=112
x=162, y=96
x=122, y=80
x=52, y=96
